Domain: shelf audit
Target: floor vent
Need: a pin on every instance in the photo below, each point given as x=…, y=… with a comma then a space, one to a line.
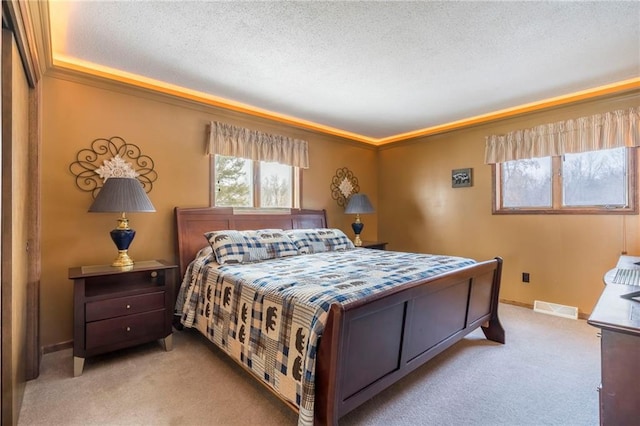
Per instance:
x=555, y=309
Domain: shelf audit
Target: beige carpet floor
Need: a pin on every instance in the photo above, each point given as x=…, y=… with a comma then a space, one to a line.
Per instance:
x=546, y=374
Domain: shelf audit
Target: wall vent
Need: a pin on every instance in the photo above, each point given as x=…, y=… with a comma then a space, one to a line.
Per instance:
x=555, y=309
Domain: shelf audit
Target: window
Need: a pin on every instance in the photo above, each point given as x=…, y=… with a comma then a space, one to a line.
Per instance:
x=526, y=183
x=591, y=182
x=239, y=182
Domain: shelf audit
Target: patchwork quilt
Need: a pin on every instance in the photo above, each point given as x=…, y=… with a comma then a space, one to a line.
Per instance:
x=269, y=315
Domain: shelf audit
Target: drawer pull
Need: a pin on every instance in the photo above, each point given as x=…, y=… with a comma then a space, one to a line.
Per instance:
x=128, y=306
x=128, y=329
x=154, y=274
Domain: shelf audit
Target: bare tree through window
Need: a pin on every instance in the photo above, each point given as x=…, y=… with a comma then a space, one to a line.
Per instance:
x=595, y=178
x=527, y=183
x=593, y=182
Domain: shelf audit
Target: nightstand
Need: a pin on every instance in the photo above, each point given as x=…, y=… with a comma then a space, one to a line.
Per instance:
x=115, y=308
x=377, y=245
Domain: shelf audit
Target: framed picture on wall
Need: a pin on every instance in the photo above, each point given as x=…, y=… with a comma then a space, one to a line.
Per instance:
x=461, y=178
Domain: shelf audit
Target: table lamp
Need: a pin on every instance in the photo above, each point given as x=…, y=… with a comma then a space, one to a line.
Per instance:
x=358, y=204
x=121, y=195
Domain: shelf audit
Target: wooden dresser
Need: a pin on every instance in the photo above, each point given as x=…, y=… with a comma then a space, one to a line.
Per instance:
x=619, y=321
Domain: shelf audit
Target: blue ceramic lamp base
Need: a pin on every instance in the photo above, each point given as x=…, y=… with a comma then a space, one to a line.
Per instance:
x=122, y=236
x=357, y=227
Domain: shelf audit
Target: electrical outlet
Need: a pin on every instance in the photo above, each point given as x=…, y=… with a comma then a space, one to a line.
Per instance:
x=525, y=277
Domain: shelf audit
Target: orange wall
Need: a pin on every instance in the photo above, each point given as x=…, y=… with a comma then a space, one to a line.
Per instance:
x=409, y=185
x=173, y=133
x=566, y=255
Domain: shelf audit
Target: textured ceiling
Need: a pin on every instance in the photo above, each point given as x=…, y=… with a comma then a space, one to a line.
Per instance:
x=375, y=69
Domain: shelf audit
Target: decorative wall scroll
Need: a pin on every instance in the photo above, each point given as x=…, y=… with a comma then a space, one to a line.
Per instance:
x=112, y=157
x=343, y=185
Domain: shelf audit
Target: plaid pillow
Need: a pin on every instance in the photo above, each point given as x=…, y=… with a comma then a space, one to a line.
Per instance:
x=319, y=240
x=306, y=240
x=335, y=239
x=236, y=247
x=277, y=242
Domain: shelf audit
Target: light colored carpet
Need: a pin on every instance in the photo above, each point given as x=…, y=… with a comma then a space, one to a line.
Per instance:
x=546, y=374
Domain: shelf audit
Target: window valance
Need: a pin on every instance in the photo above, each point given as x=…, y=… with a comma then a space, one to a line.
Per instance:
x=600, y=131
x=226, y=139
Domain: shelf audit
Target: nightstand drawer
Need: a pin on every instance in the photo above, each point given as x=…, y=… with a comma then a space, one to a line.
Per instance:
x=120, y=306
x=122, y=329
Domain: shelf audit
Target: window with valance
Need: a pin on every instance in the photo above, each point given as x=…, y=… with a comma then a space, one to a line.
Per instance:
x=583, y=165
x=229, y=140
x=255, y=169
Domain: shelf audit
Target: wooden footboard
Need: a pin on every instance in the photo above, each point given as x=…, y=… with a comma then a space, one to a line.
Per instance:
x=370, y=344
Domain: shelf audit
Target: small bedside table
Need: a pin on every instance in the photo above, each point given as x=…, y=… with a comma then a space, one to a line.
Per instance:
x=115, y=308
x=377, y=245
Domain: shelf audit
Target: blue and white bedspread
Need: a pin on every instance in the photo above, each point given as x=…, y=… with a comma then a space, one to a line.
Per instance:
x=269, y=315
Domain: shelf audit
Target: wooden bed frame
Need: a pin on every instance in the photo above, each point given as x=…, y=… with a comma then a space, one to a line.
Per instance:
x=405, y=326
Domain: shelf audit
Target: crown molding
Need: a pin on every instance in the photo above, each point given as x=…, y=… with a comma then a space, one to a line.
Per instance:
x=617, y=88
x=29, y=22
x=148, y=84
x=220, y=113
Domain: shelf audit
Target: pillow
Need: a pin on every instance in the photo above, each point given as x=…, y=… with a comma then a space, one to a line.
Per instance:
x=307, y=240
x=319, y=240
x=231, y=246
x=335, y=239
x=277, y=242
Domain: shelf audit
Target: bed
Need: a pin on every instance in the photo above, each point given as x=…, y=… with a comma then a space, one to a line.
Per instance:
x=404, y=325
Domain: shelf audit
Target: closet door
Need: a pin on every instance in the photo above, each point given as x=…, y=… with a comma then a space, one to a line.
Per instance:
x=18, y=315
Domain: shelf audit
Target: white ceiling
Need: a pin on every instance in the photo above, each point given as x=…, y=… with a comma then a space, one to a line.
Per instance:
x=375, y=69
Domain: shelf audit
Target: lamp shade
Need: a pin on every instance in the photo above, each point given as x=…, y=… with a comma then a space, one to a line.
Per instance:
x=359, y=203
x=122, y=195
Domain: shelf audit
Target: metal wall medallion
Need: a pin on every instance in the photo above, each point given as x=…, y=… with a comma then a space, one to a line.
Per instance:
x=343, y=184
x=112, y=157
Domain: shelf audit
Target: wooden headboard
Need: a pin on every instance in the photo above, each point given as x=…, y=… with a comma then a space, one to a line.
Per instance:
x=192, y=223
